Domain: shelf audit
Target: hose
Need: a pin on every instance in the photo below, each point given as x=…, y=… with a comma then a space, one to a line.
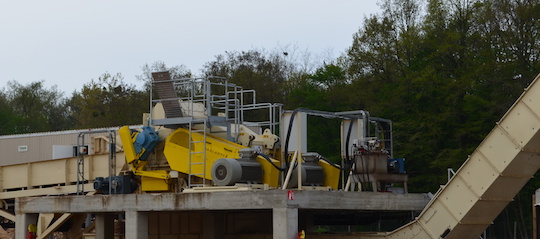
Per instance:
x=347, y=140
x=330, y=162
x=286, y=148
x=270, y=161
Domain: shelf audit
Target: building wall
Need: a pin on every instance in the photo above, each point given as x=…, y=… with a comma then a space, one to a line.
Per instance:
x=39, y=146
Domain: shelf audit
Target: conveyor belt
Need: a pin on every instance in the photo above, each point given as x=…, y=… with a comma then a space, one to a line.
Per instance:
x=488, y=180
x=165, y=89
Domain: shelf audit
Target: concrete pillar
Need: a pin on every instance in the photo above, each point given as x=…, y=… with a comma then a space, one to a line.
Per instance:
x=285, y=223
x=136, y=224
x=22, y=220
x=104, y=226
x=214, y=226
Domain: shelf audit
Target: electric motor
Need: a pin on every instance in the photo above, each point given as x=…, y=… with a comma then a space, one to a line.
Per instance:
x=312, y=175
x=121, y=184
x=227, y=171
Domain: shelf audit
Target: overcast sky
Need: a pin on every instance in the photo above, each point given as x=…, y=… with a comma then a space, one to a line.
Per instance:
x=69, y=42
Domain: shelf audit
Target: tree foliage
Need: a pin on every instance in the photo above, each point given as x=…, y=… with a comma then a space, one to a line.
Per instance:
x=443, y=71
x=32, y=108
x=264, y=73
x=177, y=72
x=444, y=77
x=107, y=102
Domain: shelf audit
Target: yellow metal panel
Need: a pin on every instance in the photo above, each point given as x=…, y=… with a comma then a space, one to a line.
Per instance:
x=498, y=148
x=525, y=163
x=270, y=173
x=177, y=151
x=441, y=220
x=480, y=172
x=45, y=191
x=331, y=174
x=522, y=124
x=413, y=230
x=154, y=184
x=59, y=171
x=159, y=174
x=504, y=188
x=53, y=174
x=484, y=212
x=127, y=143
x=14, y=176
x=457, y=197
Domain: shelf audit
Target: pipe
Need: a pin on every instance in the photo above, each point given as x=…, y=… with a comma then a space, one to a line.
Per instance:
x=299, y=168
x=289, y=172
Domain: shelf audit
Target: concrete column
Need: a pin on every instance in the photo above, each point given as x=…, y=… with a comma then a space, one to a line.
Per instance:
x=214, y=226
x=22, y=220
x=136, y=224
x=285, y=223
x=104, y=226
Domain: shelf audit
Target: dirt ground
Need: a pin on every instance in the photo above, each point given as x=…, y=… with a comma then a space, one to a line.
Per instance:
x=7, y=234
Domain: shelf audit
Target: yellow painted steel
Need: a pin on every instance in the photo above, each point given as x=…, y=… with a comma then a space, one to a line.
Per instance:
x=127, y=143
x=155, y=180
x=177, y=153
x=331, y=175
x=155, y=184
x=158, y=174
x=271, y=174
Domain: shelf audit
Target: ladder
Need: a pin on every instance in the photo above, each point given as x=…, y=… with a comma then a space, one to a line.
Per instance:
x=197, y=149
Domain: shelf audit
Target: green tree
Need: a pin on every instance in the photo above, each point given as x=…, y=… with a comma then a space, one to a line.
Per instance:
x=266, y=74
x=177, y=72
x=35, y=108
x=8, y=118
x=108, y=102
x=325, y=89
x=444, y=78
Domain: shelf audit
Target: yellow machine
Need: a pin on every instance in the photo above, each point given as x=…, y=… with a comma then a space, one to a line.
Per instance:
x=202, y=139
x=204, y=154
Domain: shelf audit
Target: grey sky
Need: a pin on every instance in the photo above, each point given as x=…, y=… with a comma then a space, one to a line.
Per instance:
x=68, y=42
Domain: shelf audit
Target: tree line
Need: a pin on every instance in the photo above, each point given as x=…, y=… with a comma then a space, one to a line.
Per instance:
x=443, y=71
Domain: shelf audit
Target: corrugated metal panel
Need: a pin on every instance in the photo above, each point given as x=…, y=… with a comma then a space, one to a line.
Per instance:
x=39, y=146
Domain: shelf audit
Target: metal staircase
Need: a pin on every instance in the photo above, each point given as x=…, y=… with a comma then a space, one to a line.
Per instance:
x=165, y=89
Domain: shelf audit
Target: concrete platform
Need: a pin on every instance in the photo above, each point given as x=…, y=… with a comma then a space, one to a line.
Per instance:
x=280, y=204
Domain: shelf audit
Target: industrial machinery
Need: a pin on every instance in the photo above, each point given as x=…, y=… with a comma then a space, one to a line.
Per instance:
x=197, y=134
x=372, y=163
x=201, y=134
x=481, y=188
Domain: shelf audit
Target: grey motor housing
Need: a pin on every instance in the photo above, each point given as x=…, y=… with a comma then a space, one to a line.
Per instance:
x=312, y=175
x=227, y=171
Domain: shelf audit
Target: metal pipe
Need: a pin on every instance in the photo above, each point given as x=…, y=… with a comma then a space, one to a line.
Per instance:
x=299, y=168
x=289, y=172
x=349, y=179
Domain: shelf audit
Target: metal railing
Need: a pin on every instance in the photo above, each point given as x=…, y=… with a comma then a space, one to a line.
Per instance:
x=82, y=150
x=223, y=103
